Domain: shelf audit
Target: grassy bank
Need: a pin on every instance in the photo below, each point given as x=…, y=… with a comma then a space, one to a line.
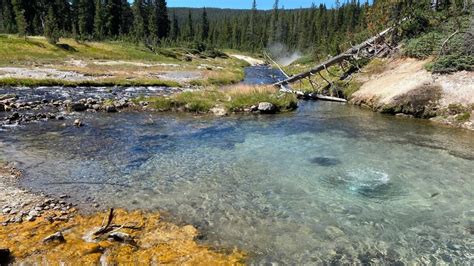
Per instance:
x=234, y=99
x=113, y=63
x=28, y=82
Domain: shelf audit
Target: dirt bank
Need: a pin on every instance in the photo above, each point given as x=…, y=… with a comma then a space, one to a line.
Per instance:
x=252, y=61
x=39, y=230
x=405, y=88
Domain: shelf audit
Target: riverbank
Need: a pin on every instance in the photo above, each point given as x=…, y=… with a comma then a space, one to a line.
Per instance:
x=35, y=62
x=403, y=87
x=37, y=228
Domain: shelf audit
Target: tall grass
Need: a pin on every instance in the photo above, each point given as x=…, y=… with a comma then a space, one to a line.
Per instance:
x=234, y=99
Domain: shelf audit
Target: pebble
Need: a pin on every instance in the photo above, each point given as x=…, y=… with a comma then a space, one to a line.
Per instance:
x=34, y=213
x=78, y=123
x=30, y=218
x=6, y=210
x=17, y=219
x=55, y=237
x=121, y=237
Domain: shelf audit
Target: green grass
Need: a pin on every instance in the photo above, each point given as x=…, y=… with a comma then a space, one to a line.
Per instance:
x=463, y=117
x=15, y=50
x=233, y=100
x=28, y=82
x=283, y=102
x=36, y=51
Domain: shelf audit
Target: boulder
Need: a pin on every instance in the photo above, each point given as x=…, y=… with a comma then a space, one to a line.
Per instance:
x=110, y=109
x=8, y=96
x=14, y=117
x=78, y=107
x=219, y=111
x=267, y=108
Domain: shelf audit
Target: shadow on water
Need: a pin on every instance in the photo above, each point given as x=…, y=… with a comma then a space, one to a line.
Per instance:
x=325, y=161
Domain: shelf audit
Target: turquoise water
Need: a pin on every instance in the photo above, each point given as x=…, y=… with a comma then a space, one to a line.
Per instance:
x=330, y=183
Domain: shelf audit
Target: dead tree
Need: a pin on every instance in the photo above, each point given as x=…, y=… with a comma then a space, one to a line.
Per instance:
x=366, y=47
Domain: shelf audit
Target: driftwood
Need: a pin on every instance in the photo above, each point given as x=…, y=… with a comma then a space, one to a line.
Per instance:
x=327, y=98
x=108, y=227
x=351, y=53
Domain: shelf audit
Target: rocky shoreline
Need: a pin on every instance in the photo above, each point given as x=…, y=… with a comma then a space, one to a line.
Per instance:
x=52, y=230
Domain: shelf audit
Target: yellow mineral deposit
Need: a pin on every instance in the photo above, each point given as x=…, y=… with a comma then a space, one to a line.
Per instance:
x=156, y=241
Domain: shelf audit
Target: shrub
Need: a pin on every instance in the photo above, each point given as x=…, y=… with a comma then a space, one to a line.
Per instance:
x=424, y=46
x=452, y=63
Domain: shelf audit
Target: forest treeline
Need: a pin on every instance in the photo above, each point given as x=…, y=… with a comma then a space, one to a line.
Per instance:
x=317, y=29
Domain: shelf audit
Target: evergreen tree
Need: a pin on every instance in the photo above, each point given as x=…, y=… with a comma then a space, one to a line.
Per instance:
x=139, y=22
x=252, y=34
x=99, y=20
x=8, y=17
x=174, y=28
x=85, y=18
x=126, y=18
x=112, y=17
x=20, y=17
x=190, y=28
x=51, y=29
x=204, y=26
x=159, y=22
x=272, y=34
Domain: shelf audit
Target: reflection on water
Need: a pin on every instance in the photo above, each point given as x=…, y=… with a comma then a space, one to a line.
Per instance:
x=331, y=183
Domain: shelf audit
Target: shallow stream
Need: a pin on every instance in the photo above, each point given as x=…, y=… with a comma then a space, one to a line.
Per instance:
x=328, y=183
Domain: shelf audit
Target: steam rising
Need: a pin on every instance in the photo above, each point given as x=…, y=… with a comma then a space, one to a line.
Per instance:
x=282, y=55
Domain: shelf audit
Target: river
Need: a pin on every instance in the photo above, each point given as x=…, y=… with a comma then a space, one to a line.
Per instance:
x=329, y=183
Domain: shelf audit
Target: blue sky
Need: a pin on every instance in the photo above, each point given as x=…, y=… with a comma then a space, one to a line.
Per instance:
x=262, y=4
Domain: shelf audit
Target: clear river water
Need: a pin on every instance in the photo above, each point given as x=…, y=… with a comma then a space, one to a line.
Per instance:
x=329, y=183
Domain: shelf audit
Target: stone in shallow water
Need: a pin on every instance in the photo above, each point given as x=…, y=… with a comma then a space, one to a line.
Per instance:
x=325, y=161
x=267, y=108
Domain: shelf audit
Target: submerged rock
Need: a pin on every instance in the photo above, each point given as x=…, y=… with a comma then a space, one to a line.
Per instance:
x=57, y=237
x=267, y=108
x=121, y=237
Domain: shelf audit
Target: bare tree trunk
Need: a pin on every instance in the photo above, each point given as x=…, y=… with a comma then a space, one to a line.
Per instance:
x=435, y=4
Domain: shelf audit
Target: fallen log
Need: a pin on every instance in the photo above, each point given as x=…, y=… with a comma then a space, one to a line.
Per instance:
x=352, y=52
x=327, y=98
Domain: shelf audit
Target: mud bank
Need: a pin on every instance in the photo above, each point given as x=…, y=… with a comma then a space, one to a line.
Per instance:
x=61, y=235
x=404, y=87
